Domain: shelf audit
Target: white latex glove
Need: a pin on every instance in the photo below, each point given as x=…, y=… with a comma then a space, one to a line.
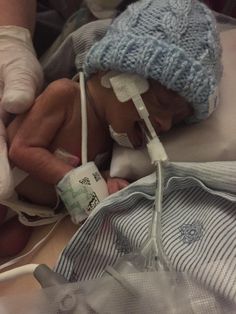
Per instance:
x=103, y=9
x=21, y=75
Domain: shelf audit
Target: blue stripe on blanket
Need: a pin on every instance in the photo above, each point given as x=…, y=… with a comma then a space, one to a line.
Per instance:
x=198, y=226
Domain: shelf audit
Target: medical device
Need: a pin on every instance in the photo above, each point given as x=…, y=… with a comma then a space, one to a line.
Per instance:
x=125, y=87
x=131, y=86
x=139, y=282
x=83, y=187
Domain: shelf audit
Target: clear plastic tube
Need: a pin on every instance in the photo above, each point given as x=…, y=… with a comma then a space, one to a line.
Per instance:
x=158, y=209
x=18, y=272
x=153, y=250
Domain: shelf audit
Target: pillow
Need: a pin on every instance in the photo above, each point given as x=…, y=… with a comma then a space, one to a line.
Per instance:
x=211, y=140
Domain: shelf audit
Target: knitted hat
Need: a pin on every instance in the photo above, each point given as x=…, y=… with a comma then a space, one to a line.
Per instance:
x=172, y=41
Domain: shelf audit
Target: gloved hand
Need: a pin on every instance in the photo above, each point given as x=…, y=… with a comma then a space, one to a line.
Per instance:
x=21, y=75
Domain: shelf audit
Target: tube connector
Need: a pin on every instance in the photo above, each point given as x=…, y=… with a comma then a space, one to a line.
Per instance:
x=156, y=151
x=47, y=277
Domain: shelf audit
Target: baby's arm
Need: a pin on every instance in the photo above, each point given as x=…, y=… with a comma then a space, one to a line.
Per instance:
x=37, y=129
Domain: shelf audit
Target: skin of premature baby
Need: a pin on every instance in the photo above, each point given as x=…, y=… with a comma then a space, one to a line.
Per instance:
x=54, y=122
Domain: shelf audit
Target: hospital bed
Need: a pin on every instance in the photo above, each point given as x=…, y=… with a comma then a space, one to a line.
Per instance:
x=214, y=139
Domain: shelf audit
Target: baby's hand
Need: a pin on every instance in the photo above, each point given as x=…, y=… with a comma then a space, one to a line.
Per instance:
x=116, y=184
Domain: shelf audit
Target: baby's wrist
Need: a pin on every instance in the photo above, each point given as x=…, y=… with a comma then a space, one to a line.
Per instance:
x=62, y=173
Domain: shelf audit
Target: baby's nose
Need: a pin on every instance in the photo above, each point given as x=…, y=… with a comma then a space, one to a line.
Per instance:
x=163, y=124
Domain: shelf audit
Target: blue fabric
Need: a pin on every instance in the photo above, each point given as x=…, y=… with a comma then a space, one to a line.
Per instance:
x=172, y=41
x=198, y=227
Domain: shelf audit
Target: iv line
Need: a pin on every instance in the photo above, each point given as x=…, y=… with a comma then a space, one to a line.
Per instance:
x=83, y=119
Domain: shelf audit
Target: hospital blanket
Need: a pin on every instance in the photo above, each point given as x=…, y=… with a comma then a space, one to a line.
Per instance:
x=198, y=226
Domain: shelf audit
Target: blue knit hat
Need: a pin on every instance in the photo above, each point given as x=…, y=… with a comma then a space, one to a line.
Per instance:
x=172, y=41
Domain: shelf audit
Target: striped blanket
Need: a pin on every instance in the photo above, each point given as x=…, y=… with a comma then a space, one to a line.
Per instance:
x=198, y=226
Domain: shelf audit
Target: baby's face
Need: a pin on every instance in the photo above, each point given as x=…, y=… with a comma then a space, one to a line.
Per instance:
x=166, y=109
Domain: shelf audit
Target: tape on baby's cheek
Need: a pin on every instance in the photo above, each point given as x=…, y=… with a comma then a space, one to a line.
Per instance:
x=121, y=139
x=105, y=80
x=120, y=83
x=126, y=87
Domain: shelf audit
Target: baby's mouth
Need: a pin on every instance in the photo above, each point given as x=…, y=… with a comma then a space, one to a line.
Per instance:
x=138, y=139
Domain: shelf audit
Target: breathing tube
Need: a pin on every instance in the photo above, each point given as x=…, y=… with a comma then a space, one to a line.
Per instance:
x=130, y=87
x=125, y=287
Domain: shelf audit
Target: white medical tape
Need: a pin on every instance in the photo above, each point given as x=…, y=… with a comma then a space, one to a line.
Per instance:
x=128, y=87
x=120, y=82
x=105, y=80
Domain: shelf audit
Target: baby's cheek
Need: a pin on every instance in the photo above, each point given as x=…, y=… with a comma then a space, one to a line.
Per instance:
x=116, y=184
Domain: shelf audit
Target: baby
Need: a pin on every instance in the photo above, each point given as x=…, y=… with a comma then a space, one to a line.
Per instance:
x=172, y=44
